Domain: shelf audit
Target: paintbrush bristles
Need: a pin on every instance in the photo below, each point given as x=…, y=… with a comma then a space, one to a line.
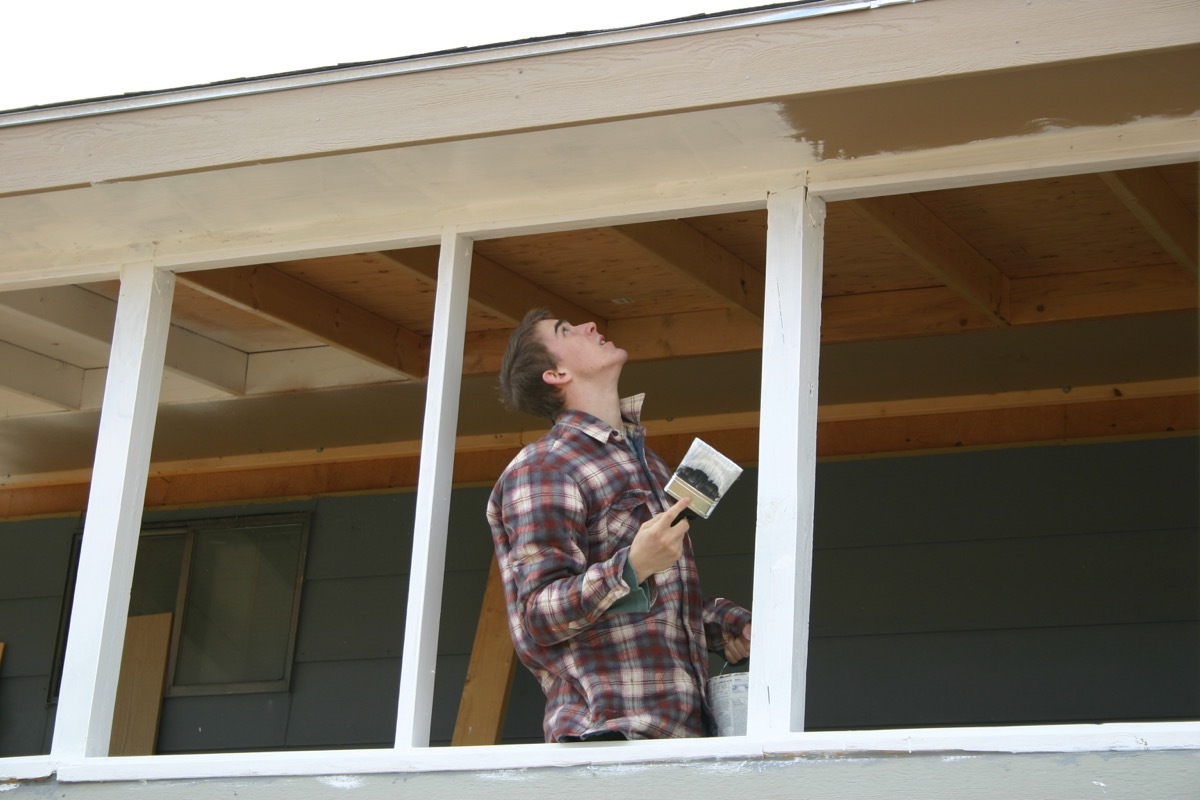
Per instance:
x=704, y=475
x=720, y=470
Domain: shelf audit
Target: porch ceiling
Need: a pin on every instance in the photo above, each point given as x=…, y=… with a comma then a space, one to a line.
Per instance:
x=289, y=338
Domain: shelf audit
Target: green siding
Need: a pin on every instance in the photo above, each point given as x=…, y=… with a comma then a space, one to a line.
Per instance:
x=988, y=587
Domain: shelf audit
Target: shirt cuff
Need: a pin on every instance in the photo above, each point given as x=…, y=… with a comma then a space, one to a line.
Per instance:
x=638, y=598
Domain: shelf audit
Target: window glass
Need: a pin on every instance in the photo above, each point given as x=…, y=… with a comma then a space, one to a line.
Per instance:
x=240, y=602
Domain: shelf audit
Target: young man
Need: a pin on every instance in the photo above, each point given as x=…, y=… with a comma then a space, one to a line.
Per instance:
x=604, y=602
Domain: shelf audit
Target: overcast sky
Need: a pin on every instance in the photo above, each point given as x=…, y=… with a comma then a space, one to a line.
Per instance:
x=57, y=51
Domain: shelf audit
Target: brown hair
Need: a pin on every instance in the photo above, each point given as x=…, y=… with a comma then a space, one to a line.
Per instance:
x=525, y=359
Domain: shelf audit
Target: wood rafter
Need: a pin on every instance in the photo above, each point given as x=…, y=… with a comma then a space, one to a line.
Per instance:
x=913, y=228
x=87, y=318
x=1161, y=212
x=494, y=288
x=41, y=377
x=275, y=295
x=693, y=256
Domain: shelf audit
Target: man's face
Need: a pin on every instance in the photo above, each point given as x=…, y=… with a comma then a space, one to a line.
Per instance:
x=580, y=349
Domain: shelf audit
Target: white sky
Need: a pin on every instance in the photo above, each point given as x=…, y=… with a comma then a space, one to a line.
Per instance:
x=57, y=51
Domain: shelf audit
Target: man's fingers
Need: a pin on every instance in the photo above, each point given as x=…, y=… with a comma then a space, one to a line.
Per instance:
x=675, y=513
x=680, y=505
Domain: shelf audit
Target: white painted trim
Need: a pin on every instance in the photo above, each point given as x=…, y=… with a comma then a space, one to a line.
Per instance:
x=1115, y=737
x=25, y=768
x=434, y=484
x=1102, y=737
x=485, y=54
x=114, y=515
x=787, y=462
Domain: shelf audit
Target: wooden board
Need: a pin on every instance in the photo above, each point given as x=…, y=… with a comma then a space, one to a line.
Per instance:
x=490, y=674
x=140, y=687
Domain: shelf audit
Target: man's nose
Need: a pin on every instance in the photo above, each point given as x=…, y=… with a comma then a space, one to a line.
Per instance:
x=588, y=327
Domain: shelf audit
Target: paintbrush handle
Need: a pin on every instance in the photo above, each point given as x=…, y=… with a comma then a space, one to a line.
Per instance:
x=688, y=514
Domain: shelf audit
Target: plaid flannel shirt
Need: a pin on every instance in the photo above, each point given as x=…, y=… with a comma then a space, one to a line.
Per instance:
x=610, y=656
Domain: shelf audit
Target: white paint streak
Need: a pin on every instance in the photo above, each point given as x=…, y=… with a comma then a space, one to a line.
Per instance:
x=8, y=787
x=343, y=781
x=503, y=775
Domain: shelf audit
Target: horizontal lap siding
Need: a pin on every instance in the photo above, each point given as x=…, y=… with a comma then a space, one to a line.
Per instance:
x=1054, y=584
x=990, y=587
x=34, y=558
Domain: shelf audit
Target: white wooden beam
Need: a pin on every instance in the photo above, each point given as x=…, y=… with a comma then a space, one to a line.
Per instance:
x=787, y=463
x=436, y=475
x=81, y=322
x=838, y=52
x=273, y=294
x=93, y=657
x=38, y=376
x=1150, y=198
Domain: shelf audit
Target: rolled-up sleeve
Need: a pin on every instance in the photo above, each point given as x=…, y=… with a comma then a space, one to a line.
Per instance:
x=721, y=616
x=544, y=517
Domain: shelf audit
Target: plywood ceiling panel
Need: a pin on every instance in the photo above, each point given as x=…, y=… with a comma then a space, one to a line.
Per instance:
x=599, y=272
x=1046, y=227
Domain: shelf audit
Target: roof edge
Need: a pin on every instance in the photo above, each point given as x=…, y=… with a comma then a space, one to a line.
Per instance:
x=491, y=53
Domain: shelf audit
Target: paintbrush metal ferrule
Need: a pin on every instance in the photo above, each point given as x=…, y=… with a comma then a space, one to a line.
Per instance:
x=704, y=475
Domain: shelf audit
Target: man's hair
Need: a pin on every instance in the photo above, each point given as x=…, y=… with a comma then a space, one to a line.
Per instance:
x=525, y=359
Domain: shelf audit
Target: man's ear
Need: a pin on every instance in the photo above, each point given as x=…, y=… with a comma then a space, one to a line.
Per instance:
x=556, y=377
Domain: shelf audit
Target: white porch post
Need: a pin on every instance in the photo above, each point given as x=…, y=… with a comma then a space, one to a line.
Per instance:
x=787, y=462
x=434, y=483
x=114, y=515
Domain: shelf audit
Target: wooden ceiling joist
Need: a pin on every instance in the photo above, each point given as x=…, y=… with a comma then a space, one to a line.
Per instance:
x=273, y=294
x=1150, y=198
x=84, y=320
x=494, y=288
x=695, y=258
x=915, y=230
x=41, y=377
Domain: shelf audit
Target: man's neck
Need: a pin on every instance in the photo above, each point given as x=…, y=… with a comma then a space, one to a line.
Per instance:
x=604, y=404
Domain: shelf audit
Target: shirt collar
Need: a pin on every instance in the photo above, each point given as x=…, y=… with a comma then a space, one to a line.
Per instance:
x=631, y=412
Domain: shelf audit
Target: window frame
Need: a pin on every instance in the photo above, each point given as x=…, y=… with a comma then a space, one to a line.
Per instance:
x=190, y=530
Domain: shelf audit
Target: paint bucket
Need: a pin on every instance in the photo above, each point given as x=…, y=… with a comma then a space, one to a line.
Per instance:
x=728, y=695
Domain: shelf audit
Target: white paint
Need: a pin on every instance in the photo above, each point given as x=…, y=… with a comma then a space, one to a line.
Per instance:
x=787, y=462
x=434, y=484
x=93, y=657
x=342, y=781
x=504, y=775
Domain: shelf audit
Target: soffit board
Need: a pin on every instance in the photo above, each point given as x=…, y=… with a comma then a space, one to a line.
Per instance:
x=891, y=45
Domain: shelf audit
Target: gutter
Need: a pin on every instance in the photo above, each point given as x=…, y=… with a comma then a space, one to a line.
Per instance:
x=485, y=54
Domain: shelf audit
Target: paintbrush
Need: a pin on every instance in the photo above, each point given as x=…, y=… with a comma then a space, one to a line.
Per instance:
x=704, y=475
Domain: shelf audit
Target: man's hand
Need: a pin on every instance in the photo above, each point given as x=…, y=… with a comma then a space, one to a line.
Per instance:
x=658, y=544
x=737, y=647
